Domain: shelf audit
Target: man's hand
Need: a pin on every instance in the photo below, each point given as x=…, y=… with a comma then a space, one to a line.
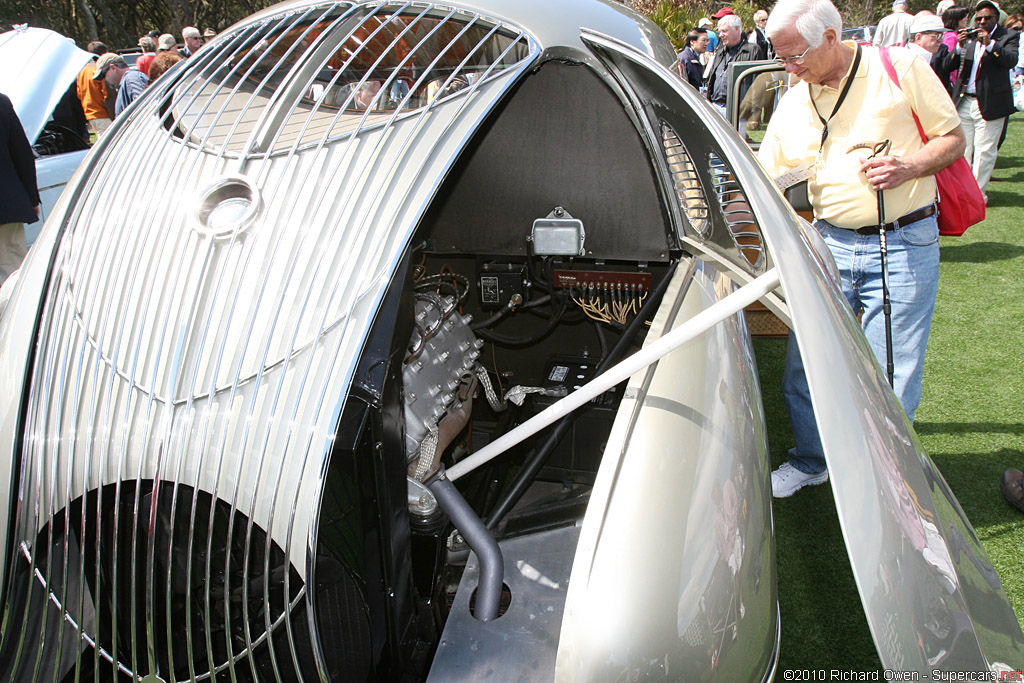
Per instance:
x=885, y=173
x=972, y=33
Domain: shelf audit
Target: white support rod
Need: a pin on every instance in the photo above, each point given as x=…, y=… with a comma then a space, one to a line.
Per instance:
x=698, y=324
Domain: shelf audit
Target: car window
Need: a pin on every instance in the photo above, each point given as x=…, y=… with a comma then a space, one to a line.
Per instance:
x=755, y=90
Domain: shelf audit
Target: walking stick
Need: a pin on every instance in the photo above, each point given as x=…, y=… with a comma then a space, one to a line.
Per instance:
x=883, y=148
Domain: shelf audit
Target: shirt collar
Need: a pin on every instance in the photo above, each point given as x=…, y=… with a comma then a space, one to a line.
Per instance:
x=817, y=90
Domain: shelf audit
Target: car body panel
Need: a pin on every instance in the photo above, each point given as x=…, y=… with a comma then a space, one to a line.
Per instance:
x=901, y=523
x=675, y=568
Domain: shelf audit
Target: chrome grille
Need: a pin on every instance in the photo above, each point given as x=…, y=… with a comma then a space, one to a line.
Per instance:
x=200, y=331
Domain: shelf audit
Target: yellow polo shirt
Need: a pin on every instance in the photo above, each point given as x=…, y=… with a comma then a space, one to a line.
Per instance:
x=875, y=109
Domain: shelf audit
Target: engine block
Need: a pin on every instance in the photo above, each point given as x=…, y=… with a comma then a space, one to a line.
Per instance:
x=442, y=350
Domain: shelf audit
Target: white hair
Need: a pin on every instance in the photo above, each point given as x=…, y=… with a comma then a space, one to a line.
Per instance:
x=190, y=32
x=762, y=14
x=809, y=17
x=730, y=21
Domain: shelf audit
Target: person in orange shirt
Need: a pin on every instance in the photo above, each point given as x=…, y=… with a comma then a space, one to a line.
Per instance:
x=93, y=94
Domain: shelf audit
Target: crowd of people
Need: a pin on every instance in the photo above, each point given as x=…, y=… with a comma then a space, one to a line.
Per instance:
x=108, y=84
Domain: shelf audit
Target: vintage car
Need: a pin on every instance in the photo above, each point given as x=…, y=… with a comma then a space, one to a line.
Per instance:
x=39, y=73
x=422, y=357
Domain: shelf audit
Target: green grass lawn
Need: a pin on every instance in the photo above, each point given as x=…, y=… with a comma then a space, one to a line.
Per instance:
x=971, y=422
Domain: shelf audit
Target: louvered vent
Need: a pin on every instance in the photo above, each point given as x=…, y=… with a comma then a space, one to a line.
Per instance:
x=736, y=209
x=687, y=184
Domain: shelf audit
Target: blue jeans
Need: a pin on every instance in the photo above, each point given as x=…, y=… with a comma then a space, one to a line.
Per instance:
x=913, y=255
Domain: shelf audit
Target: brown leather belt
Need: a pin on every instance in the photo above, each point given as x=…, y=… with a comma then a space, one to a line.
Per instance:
x=912, y=217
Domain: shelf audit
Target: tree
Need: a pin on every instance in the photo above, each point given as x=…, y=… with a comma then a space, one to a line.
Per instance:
x=119, y=23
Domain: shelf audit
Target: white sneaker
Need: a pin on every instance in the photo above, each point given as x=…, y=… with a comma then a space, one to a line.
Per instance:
x=787, y=480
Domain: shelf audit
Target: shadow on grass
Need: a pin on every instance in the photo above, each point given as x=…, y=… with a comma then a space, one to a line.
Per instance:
x=974, y=479
x=979, y=252
x=923, y=428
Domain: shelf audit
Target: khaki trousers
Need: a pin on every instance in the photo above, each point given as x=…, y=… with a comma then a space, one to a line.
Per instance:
x=12, y=248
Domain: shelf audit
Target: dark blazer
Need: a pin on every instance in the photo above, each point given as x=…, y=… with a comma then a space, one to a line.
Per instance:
x=762, y=42
x=17, y=169
x=995, y=94
x=748, y=52
x=692, y=67
x=938, y=63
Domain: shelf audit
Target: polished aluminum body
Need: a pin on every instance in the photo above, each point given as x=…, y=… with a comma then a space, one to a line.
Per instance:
x=175, y=366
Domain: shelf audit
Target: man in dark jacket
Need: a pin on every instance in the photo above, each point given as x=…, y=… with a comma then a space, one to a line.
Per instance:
x=982, y=93
x=731, y=48
x=696, y=45
x=21, y=201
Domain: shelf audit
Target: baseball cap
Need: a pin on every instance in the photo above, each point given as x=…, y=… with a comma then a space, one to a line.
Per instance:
x=988, y=3
x=704, y=22
x=926, y=23
x=106, y=60
x=167, y=42
x=724, y=12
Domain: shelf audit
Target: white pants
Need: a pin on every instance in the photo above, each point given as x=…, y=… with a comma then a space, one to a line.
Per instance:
x=12, y=248
x=982, y=140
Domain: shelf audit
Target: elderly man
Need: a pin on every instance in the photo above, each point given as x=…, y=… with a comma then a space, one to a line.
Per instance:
x=926, y=42
x=895, y=28
x=130, y=83
x=193, y=40
x=983, y=93
x=731, y=48
x=926, y=36
x=844, y=102
x=696, y=45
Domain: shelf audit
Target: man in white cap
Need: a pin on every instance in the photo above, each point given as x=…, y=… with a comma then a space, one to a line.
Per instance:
x=895, y=28
x=112, y=69
x=926, y=36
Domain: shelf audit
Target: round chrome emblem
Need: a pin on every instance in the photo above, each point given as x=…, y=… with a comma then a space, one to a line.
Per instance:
x=227, y=206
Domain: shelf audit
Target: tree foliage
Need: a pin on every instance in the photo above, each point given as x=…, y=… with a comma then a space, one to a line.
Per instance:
x=119, y=23
x=677, y=17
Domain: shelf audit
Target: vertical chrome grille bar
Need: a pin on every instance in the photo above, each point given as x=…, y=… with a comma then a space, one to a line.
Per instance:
x=75, y=395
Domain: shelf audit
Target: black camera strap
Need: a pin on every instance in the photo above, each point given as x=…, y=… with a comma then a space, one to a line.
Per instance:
x=839, y=101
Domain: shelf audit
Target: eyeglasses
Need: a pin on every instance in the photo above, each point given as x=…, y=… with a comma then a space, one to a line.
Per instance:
x=799, y=59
